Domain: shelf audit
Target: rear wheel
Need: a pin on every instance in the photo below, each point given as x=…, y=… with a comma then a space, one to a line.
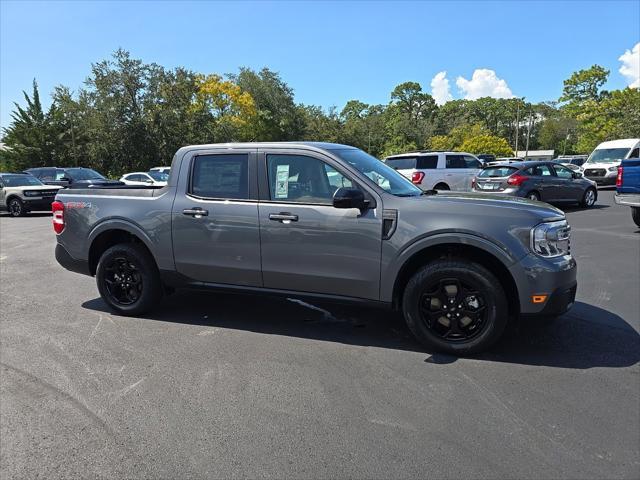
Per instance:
x=128, y=279
x=533, y=196
x=17, y=208
x=589, y=198
x=455, y=306
x=635, y=214
x=441, y=186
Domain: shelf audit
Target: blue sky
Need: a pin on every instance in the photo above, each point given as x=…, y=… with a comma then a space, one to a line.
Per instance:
x=329, y=52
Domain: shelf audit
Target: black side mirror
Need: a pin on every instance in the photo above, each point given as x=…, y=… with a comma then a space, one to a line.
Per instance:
x=349, y=198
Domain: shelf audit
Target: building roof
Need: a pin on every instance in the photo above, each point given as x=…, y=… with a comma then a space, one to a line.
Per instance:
x=535, y=153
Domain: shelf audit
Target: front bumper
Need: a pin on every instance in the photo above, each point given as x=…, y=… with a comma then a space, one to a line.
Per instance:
x=628, y=199
x=38, y=203
x=553, y=278
x=606, y=180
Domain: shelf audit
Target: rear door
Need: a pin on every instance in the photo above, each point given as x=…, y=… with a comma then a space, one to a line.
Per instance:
x=544, y=181
x=216, y=237
x=307, y=245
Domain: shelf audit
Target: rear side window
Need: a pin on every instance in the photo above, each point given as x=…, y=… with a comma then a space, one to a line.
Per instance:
x=403, y=163
x=540, y=171
x=456, y=161
x=220, y=176
x=498, y=172
x=428, y=162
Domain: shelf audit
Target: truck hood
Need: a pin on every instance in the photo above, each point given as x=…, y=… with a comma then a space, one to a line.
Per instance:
x=604, y=165
x=488, y=205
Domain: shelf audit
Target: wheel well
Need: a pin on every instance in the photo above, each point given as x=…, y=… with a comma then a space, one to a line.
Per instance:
x=13, y=195
x=107, y=240
x=476, y=254
x=441, y=184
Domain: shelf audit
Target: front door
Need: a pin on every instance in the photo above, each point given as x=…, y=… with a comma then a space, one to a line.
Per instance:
x=308, y=245
x=216, y=237
x=569, y=188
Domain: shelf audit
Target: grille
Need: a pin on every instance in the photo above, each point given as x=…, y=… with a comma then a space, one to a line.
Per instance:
x=595, y=172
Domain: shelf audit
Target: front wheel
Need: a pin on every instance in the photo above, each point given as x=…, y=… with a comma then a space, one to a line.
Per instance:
x=16, y=208
x=455, y=306
x=128, y=279
x=589, y=198
x=635, y=214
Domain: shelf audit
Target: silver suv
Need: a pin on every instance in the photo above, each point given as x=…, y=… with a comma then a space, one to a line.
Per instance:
x=21, y=193
x=432, y=170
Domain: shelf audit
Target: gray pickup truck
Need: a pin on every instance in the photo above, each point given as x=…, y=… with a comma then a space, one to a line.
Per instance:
x=322, y=221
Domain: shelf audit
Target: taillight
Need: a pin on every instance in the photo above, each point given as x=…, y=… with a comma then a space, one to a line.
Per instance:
x=516, y=179
x=473, y=182
x=416, y=177
x=58, y=216
x=619, y=177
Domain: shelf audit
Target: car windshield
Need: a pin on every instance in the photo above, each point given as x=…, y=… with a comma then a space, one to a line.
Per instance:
x=20, y=181
x=158, y=176
x=497, y=172
x=607, y=155
x=379, y=173
x=83, y=174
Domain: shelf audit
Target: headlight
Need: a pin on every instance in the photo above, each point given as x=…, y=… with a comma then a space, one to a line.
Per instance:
x=31, y=193
x=613, y=169
x=551, y=239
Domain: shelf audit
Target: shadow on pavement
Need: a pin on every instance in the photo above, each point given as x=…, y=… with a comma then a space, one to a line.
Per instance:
x=30, y=214
x=586, y=337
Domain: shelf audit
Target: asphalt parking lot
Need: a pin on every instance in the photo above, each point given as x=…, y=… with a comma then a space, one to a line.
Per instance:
x=230, y=386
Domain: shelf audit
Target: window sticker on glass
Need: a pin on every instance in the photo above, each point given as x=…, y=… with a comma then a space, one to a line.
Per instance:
x=282, y=181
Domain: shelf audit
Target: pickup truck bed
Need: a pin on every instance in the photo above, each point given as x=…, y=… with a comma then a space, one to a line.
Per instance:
x=628, y=187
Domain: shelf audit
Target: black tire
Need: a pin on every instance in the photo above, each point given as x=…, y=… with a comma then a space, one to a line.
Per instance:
x=16, y=207
x=128, y=279
x=589, y=198
x=441, y=186
x=533, y=195
x=478, y=284
x=635, y=214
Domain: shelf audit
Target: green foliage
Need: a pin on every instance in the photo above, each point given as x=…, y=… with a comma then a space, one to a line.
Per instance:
x=131, y=116
x=487, y=144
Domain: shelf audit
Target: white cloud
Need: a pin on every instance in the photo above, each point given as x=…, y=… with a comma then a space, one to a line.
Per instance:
x=483, y=83
x=631, y=66
x=440, y=90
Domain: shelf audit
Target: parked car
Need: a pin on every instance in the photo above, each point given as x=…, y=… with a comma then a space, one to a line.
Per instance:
x=628, y=187
x=151, y=178
x=161, y=169
x=576, y=160
x=602, y=165
x=21, y=193
x=500, y=160
x=549, y=182
x=437, y=170
x=72, y=177
x=266, y=218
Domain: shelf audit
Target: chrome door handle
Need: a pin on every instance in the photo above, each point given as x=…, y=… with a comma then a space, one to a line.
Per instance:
x=195, y=212
x=283, y=217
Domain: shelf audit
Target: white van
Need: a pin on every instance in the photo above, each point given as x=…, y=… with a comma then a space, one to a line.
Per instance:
x=602, y=164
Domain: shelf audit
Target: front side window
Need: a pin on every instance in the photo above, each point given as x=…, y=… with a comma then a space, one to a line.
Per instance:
x=563, y=172
x=471, y=162
x=158, y=176
x=220, y=176
x=378, y=172
x=455, y=161
x=303, y=179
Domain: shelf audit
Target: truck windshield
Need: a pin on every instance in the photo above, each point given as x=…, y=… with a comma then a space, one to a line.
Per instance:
x=379, y=173
x=608, y=155
x=20, y=181
x=83, y=174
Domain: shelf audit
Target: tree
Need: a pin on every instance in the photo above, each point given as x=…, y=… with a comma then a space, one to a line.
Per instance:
x=584, y=85
x=487, y=144
x=30, y=138
x=277, y=117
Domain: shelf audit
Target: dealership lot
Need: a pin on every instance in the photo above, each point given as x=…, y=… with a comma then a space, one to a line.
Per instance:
x=231, y=386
